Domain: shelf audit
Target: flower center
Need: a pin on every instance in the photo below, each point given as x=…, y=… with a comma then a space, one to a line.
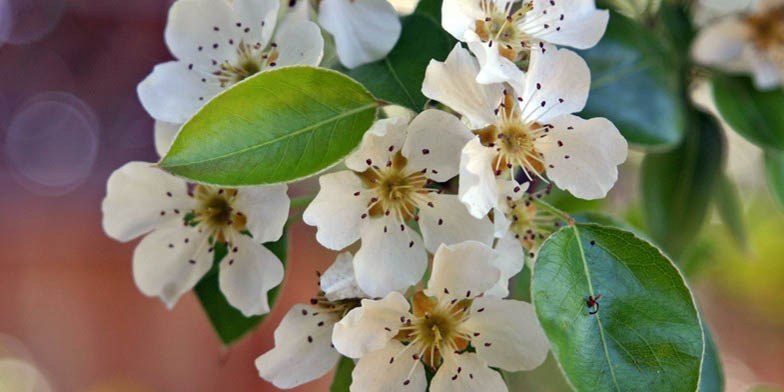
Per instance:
x=768, y=33
x=502, y=26
x=513, y=141
x=215, y=211
x=530, y=224
x=250, y=61
x=395, y=189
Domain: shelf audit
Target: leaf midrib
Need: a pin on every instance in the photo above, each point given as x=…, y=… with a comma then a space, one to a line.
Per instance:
x=164, y=164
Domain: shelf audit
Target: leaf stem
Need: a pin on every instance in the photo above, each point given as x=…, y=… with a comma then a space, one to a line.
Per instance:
x=301, y=202
x=555, y=211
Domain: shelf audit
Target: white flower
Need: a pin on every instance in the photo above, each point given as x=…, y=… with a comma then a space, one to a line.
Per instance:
x=364, y=30
x=183, y=229
x=747, y=43
x=392, y=343
x=386, y=188
x=303, y=348
x=534, y=131
x=218, y=44
x=502, y=32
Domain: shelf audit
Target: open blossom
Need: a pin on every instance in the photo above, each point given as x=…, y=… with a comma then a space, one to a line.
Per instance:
x=747, y=43
x=303, y=348
x=502, y=32
x=534, y=132
x=218, y=43
x=388, y=187
x=183, y=230
x=394, y=341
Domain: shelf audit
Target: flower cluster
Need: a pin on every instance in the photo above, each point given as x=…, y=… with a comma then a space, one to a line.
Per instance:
x=457, y=182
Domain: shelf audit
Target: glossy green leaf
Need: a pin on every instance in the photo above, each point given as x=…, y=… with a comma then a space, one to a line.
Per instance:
x=635, y=86
x=774, y=170
x=677, y=186
x=731, y=210
x=229, y=323
x=646, y=335
x=755, y=115
x=342, y=380
x=431, y=8
x=277, y=126
x=398, y=78
x=712, y=375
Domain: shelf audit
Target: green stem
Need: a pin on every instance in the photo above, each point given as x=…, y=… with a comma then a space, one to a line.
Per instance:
x=555, y=211
x=301, y=202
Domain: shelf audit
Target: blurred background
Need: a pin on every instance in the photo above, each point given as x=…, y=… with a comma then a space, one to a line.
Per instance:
x=71, y=318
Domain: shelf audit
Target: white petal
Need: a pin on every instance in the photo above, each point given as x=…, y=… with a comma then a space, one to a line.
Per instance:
x=477, y=188
x=299, y=42
x=767, y=75
x=557, y=83
x=247, y=273
x=369, y=327
x=336, y=211
x=510, y=261
x=164, y=136
x=582, y=156
x=509, y=335
x=257, y=18
x=508, y=190
x=364, y=31
x=266, y=209
x=454, y=84
x=458, y=16
x=379, y=144
x=575, y=23
x=390, y=259
x=173, y=93
x=463, y=270
x=376, y=373
x=303, y=348
x=338, y=281
x=169, y=261
x=448, y=222
x=434, y=142
x=466, y=372
x=199, y=31
x=140, y=197
x=494, y=68
x=720, y=43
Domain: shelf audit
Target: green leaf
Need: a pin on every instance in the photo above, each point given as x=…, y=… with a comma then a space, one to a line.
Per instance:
x=774, y=170
x=398, y=78
x=229, y=323
x=712, y=375
x=277, y=126
x=342, y=380
x=731, y=210
x=431, y=8
x=677, y=186
x=755, y=115
x=635, y=86
x=646, y=335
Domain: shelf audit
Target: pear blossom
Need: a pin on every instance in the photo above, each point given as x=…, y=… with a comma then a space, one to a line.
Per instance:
x=303, y=348
x=752, y=42
x=364, y=30
x=533, y=132
x=395, y=340
x=218, y=43
x=386, y=189
x=182, y=229
x=503, y=32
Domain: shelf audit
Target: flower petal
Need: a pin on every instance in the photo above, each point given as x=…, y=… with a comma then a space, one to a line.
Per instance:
x=392, y=257
x=510, y=261
x=165, y=133
x=463, y=270
x=477, y=184
x=720, y=43
x=575, y=23
x=247, y=273
x=582, y=155
x=509, y=335
x=494, y=68
x=173, y=93
x=377, y=372
x=448, y=222
x=434, y=142
x=508, y=190
x=266, y=209
x=299, y=42
x=169, y=261
x=767, y=74
x=379, y=144
x=338, y=281
x=257, y=20
x=198, y=31
x=140, y=197
x=371, y=326
x=364, y=31
x=453, y=83
x=466, y=372
x=303, y=348
x=337, y=209
x=557, y=83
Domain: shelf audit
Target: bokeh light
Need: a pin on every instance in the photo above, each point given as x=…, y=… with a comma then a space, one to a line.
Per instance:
x=25, y=21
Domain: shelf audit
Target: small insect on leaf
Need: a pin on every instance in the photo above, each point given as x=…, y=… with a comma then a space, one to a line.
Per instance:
x=593, y=303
